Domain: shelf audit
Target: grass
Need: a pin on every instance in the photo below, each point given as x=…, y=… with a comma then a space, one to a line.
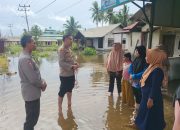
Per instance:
x=41, y=51
x=45, y=51
x=3, y=64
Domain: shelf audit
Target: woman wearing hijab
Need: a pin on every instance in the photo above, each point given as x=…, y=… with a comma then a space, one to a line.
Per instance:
x=177, y=109
x=114, y=67
x=136, y=70
x=151, y=114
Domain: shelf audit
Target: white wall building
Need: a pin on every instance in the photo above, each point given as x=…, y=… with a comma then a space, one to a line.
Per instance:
x=100, y=38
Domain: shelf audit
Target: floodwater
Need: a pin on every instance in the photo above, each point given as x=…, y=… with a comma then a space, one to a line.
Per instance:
x=92, y=108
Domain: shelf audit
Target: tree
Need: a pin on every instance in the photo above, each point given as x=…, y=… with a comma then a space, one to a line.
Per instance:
x=36, y=32
x=123, y=16
x=102, y=17
x=25, y=31
x=71, y=26
x=110, y=17
x=96, y=15
x=117, y=17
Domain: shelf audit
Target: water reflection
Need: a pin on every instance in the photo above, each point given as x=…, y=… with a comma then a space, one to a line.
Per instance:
x=92, y=108
x=113, y=113
x=68, y=123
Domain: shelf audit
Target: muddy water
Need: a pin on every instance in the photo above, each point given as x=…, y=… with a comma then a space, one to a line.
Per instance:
x=92, y=108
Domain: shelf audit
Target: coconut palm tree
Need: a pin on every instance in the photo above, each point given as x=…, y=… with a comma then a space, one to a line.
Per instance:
x=110, y=17
x=117, y=17
x=96, y=15
x=71, y=26
x=123, y=16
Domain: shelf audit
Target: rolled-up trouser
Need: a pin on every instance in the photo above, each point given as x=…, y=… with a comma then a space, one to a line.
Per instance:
x=32, y=114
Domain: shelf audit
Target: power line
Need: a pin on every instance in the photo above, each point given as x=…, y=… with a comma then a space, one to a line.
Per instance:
x=45, y=7
x=21, y=1
x=24, y=8
x=70, y=6
x=10, y=27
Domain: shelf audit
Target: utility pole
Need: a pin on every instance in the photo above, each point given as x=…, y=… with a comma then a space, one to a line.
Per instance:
x=24, y=8
x=10, y=27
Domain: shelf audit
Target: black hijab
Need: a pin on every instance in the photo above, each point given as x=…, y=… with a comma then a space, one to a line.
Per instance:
x=139, y=63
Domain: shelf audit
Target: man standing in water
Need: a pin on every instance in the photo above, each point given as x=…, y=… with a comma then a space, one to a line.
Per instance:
x=31, y=82
x=68, y=66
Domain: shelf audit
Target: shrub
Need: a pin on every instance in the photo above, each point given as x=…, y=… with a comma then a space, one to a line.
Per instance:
x=89, y=51
x=74, y=46
x=14, y=49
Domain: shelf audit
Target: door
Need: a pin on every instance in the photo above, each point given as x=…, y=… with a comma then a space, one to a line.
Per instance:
x=144, y=37
x=168, y=42
x=100, y=42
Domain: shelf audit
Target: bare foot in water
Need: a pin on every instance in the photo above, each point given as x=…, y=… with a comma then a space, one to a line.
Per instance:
x=132, y=125
x=69, y=105
x=60, y=111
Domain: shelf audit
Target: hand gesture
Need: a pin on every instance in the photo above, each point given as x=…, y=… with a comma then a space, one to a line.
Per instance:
x=75, y=67
x=44, y=85
x=150, y=103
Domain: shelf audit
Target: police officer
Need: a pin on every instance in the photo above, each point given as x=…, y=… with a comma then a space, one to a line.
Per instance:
x=31, y=82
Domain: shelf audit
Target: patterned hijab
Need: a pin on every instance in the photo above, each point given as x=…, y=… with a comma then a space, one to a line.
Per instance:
x=155, y=58
x=115, y=58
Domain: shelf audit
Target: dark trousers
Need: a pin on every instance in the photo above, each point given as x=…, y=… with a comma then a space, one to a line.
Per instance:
x=138, y=95
x=32, y=114
x=112, y=77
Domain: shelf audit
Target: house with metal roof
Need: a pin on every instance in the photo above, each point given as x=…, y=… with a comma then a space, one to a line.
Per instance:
x=12, y=41
x=50, y=36
x=101, y=38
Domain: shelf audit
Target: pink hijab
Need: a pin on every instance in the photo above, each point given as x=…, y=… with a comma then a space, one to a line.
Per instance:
x=115, y=58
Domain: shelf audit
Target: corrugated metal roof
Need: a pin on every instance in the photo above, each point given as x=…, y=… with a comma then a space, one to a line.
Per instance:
x=130, y=26
x=99, y=31
x=43, y=39
x=13, y=39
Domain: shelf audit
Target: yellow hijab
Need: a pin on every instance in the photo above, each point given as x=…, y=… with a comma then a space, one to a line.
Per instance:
x=155, y=59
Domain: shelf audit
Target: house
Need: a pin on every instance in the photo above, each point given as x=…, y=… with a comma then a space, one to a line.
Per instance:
x=168, y=37
x=1, y=45
x=12, y=41
x=138, y=34
x=101, y=38
x=49, y=37
x=131, y=35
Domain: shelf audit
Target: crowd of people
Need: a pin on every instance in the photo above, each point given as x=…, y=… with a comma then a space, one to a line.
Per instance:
x=139, y=82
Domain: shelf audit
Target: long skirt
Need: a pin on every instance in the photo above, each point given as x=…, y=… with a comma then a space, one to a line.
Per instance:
x=127, y=93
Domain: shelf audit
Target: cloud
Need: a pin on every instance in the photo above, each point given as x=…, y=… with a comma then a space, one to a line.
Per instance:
x=58, y=18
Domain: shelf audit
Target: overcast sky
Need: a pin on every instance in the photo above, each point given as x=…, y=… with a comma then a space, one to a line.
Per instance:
x=53, y=16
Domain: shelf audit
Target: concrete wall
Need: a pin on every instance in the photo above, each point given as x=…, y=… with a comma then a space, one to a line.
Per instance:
x=176, y=50
x=116, y=37
x=174, y=72
x=95, y=43
x=156, y=39
x=132, y=40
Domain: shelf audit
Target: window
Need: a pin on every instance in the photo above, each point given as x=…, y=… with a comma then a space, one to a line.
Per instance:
x=124, y=41
x=110, y=42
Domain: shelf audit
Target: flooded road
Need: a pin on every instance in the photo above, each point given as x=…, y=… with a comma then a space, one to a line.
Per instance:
x=92, y=108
